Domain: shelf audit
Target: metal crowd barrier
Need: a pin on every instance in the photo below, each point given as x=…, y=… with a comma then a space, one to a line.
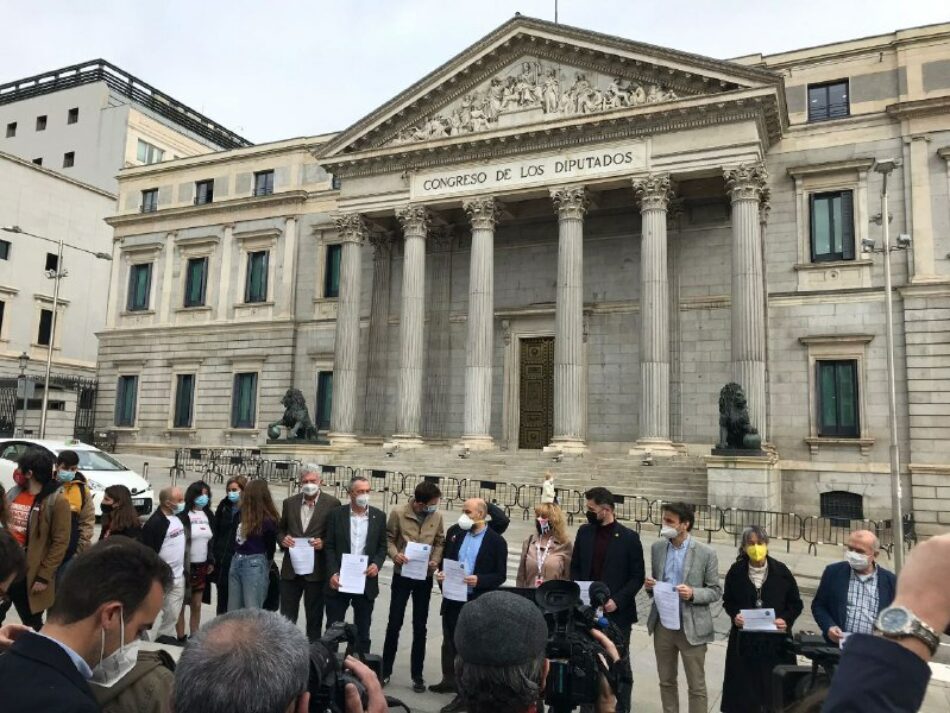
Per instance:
x=278, y=471
x=708, y=518
x=632, y=508
x=504, y=495
x=779, y=525
x=831, y=530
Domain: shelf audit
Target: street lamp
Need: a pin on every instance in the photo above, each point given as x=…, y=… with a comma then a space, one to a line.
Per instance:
x=57, y=275
x=23, y=360
x=885, y=167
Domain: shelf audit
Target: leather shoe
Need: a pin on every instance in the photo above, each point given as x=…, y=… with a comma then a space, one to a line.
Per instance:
x=456, y=705
x=418, y=685
x=169, y=641
x=442, y=687
x=385, y=681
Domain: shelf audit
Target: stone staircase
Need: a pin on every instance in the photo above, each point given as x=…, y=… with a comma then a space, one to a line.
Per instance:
x=680, y=478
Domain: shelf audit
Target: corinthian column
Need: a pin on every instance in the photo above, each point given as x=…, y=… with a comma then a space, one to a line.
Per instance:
x=570, y=403
x=415, y=222
x=476, y=433
x=653, y=193
x=353, y=231
x=745, y=184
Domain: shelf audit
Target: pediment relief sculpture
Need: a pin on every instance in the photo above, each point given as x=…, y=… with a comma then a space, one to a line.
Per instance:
x=533, y=91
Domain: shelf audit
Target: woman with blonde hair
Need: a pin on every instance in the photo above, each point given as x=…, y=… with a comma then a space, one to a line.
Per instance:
x=546, y=554
x=255, y=544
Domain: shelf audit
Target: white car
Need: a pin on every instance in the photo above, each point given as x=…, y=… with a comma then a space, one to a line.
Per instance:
x=100, y=469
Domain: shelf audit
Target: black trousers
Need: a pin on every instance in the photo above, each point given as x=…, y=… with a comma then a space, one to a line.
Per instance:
x=421, y=592
x=450, y=617
x=21, y=600
x=338, y=602
x=312, y=592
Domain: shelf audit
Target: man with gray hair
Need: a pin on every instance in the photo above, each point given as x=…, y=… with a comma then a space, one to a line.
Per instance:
x=357, y=528
x=165, y=533
x=303, y=523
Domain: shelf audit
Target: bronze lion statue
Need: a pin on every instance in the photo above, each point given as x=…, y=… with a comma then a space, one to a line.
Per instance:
x=296, y=418
x=735, y=430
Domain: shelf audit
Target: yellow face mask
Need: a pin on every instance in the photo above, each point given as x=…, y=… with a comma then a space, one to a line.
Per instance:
x=756, y=552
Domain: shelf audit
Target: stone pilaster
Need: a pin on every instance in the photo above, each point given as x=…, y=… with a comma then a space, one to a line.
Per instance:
x=415, y=224
x=476, y=434
x=653, y=194
x=353, y=231
x=745, y=184
x=570, y=376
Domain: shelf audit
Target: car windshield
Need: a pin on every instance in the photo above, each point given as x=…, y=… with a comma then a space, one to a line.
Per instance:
x=97, y=460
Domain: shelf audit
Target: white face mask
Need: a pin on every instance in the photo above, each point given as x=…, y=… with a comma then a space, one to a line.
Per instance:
x=113, y=667
x=362, y=501
x=668, y=532
x=858, y=561
x=465, y=522
x=310, y=489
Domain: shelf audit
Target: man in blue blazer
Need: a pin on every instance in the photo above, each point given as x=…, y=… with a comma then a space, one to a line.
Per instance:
x=852, y=593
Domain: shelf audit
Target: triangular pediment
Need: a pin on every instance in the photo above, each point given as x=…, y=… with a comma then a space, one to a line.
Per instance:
x=535, y=73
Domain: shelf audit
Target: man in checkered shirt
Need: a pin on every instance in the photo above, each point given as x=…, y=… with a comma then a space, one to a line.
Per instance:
x=853, y=592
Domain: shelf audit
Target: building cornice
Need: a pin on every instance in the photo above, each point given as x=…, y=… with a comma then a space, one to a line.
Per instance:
x=921, y=107
x=229, y=207
x=854, y=164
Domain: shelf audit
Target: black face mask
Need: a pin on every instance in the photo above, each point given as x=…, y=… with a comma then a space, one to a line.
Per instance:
x=592, y=518
x=106, y=508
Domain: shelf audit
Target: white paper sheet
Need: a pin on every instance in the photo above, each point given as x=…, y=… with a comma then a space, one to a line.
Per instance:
x=667, y=601
x=353, y=573
x=759, y=619
x=418, y=565
x=301, y=556
x=454, y=587
x=585, y=591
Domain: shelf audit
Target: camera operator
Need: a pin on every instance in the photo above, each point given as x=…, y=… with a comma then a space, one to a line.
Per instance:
x=889, y=672
x=500, y=673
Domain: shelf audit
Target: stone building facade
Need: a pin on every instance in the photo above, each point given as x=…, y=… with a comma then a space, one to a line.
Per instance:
x=566, y=240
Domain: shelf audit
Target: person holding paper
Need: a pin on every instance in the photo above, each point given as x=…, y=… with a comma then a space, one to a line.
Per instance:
x=692, y=568
x=303, y=523
x=355, y=529
x=755, y=581
x=418, y=523
x=485, y=555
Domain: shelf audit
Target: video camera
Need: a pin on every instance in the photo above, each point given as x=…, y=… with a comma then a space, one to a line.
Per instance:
x=328, y=678
x=574, y=655
x=803, y=688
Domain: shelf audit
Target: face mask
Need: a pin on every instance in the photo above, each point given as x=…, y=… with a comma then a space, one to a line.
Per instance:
x=65, y=476
x=756, y=553
x=543, y=525
x=106, y=508
x=234, y=495
x=429, y=509
x=178, y=508
x=310, y=489
x=592, y=518
x=668, y=532
x=112, y=668
x=362, y=500
x=201, y=501
x=465, y=522
x=20, y=479
x=857, y=561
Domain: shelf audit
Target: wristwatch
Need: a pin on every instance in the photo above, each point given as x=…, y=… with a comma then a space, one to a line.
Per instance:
x=901, y=622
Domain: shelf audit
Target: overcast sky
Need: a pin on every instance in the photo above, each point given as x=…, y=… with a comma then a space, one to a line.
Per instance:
x=275, y=69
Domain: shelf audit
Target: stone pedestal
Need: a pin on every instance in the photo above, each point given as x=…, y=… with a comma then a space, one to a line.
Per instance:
x=745, y=482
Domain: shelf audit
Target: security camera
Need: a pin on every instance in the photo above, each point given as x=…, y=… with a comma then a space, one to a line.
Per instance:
x=903, y=241
x=867, y=245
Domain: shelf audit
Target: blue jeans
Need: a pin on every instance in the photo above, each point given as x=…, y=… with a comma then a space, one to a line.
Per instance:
x=247, y=582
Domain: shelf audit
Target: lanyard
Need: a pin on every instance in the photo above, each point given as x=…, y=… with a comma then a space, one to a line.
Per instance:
x=542, y=557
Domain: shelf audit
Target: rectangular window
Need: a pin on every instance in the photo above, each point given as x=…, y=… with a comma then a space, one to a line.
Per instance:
x=140, y=283
x=146, y=153
x=331, y=272
x=184, y=400
x=4, y=249
x=11, y=129
x=204, y=192
x=263, y=183
x=196, y=280
x=69, y=159
x=828, y=101
x=255, y=289
x=52, y=262
x=44, y=335
x=126, y=395
x=832, y=226
x=41, y=123
x=324, y=399
x=150, y=200
x=838, y=398
x=244, y=401
x=72, y=116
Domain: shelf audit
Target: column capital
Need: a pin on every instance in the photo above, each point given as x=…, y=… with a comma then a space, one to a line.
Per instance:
x=352, y=227
x=653, y=192
x=570, y=202
x=746, y=181
x=482, y=212
x=414, y=219
x=765, y=205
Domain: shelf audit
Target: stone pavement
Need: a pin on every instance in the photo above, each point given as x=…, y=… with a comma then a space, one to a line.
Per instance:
x=807, y=569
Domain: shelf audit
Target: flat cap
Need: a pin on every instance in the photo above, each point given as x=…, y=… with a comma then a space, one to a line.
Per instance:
x=500, y=629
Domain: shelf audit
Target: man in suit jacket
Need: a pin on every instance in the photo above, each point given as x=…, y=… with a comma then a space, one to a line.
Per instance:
x=606, y=551
x=693, y=569
x=852, y=593
x=302, y=516
x=101, y=608
x=357, y=529
x=485, y=554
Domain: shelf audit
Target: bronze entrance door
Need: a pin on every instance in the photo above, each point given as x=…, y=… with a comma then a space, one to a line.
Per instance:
x=536, y=425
